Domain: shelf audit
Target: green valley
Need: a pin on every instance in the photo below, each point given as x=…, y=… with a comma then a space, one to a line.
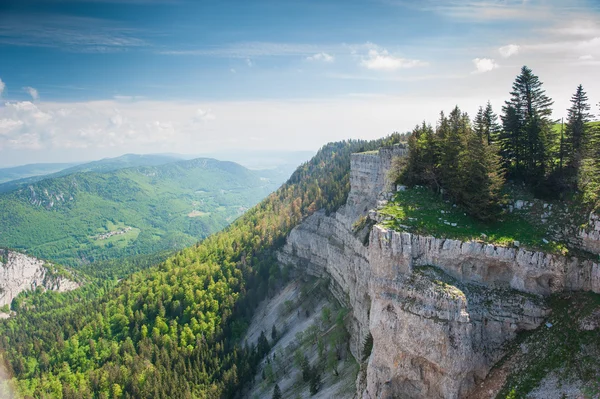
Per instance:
x=90, y=216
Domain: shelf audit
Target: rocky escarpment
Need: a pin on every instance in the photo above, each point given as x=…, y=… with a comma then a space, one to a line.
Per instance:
x=535, y=272
x=20, y=272
x=436, y=332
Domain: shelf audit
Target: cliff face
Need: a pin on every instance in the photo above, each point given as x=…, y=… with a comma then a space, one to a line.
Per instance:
x=436, y=330
x=19, y=272
x=534, y=272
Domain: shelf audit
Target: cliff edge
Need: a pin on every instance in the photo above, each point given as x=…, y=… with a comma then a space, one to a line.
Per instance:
x=440, y=311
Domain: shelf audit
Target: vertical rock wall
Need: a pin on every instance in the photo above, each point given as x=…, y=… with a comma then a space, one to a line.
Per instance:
x=436, y=330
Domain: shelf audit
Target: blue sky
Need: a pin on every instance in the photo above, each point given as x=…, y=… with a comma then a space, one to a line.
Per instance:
x=92, y=78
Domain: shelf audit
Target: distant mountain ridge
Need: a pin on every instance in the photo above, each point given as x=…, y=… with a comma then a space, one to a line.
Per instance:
x=102, y=165
x=31, y=170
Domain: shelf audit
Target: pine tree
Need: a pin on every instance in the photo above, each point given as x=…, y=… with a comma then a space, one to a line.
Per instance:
x=511, y=140
x=486, y=124
x=277, y=392
x=482, y=177
x=577, y=128
x=492, y=127
x=479, y=123
x=532, y=108
x=274, y=333
x=589, y=173
x=453, y=138
x=422, y=157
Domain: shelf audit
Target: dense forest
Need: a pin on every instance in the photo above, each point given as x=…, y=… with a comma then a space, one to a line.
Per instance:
x=470, y=161
x=173, y=330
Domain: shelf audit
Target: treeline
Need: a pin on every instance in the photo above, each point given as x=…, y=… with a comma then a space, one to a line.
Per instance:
x=173, y=331
x=471, y=160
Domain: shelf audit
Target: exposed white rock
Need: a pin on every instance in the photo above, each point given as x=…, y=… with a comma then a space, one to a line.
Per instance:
x=590, y=236
x=20, y=272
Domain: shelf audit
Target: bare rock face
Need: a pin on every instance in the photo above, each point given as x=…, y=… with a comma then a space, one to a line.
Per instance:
x=590, y=236
x=439, y=310
x=20, y=272
x=325, y=246
x=436, y=336
x=534, y=272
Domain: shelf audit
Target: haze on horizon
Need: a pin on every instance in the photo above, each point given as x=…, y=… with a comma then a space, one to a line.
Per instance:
x=87, y=79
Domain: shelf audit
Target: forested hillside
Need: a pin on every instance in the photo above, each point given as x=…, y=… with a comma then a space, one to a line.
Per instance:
x=86, y=217
x=173, y=331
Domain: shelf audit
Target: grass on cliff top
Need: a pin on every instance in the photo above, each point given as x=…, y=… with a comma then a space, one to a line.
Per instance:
x=419, y=210
x=564, y=348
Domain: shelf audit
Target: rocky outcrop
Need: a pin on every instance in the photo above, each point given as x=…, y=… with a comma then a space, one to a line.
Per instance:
x=436, y=330
x=20, y=272
x=590, y=236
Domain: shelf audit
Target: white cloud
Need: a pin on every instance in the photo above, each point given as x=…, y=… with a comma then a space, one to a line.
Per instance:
x=249, y=62
x=8, y=125
x=324, y=57
x=204, y=115
x=32, y=92
x=232, y=70
x=484, y=65
x=2, y=87
x=586, y=57
x=116, y=120
x=382, y=60
x=509, y=50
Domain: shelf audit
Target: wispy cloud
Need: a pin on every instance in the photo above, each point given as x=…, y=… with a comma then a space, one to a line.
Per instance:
x=489, y=10
x=562, y=42
x=396, y=78
x=32, y=92
x=484, y=65
x=2, y=87
x=68, y=33
x=121, y=97
x=509, y=50
x=253, y=49
x=322, y=56
x=381, y=60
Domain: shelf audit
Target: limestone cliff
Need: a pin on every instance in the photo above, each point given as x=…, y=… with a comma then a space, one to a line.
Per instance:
x=20, y=272
x=436, y=331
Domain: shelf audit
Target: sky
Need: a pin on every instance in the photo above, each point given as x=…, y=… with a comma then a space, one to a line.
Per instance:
x=86, y=79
